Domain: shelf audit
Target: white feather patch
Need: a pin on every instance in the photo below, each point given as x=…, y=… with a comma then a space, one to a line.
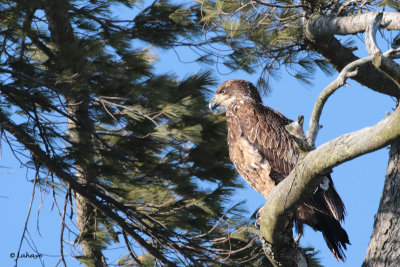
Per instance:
x=325, y=184
x=254, y=165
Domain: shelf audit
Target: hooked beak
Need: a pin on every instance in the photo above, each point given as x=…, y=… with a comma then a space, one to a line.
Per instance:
x=212, y=105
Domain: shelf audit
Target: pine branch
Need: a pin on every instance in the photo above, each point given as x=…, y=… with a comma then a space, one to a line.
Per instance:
x=279, y=6
x=62, y=258
x=54, y=167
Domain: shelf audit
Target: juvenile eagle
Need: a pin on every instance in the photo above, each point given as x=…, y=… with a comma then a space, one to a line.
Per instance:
x=264, y=154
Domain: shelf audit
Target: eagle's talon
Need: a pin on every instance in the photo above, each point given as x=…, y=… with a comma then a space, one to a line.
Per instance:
x=257, y=223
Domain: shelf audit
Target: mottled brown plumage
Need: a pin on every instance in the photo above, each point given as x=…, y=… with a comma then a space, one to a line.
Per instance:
x=264, y=154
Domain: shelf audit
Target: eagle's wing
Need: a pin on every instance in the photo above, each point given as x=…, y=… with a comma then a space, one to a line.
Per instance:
x=265, y=130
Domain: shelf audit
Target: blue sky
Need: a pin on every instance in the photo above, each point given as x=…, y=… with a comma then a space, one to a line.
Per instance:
x=359, y=182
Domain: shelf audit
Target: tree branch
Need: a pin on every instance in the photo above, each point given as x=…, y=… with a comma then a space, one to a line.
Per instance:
x=283, y=200
x=319, y=32
x=381, y=62
x=347, y=72
x=53, y=166
x=295, y=130
x=280, y=6
x=326, y=25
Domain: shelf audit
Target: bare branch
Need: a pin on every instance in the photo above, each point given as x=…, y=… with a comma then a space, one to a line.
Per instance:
x=293, y=256
x=370, y=34
x=376, y=56
x=386, y=65
x=295, y=129
x=277, y=217
x=320, y=31
x=133, y=256
x=27, y=218
x=62, y=259
x=392, y=53
x=347, y=72
x=280, y=6
x=345, y=25
x=340, y=56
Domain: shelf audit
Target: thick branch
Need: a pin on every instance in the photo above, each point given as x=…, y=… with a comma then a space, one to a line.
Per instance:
x=389, y=67
x=320, y=33
x=381, y=62
x=326, y=25
x=292, y=255
x=370, y=34
x=306, y=176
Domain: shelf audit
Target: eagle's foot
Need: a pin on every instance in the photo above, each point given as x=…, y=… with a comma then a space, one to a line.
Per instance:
x=257, y=223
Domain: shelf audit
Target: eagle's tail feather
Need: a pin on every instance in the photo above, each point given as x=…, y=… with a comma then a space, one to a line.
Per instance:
x=333, y=201
x=335, y=236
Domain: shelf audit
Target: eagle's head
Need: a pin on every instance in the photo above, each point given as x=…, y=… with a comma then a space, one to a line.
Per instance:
x=231, y=92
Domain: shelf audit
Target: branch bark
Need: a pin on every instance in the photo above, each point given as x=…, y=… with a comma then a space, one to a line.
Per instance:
x=283, y=200
x=384, y=246
x=319, y=34
x=306, y=176
x=384, y=64
x=347, y=72
x=385, y=239
x=326, y=25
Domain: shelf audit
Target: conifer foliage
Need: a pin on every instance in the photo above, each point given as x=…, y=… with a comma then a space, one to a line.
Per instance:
x=298, y=36
x=133, y=156
x=275, y=35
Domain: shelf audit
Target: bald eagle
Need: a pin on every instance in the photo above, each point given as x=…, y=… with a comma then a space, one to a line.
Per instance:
x=264, y=154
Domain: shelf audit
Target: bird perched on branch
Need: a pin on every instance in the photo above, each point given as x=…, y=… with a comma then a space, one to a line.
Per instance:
x=264, y=154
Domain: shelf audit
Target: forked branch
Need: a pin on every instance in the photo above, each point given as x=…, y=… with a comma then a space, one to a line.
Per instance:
x=306, y=176
x=283, y=200
x=380, y=61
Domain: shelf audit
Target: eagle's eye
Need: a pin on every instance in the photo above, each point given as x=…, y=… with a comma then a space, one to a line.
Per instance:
x=222, y=91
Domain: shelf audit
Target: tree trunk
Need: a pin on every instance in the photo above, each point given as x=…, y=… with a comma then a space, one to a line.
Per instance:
x=80, y=129
x=86, y=174
x=384, y=246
